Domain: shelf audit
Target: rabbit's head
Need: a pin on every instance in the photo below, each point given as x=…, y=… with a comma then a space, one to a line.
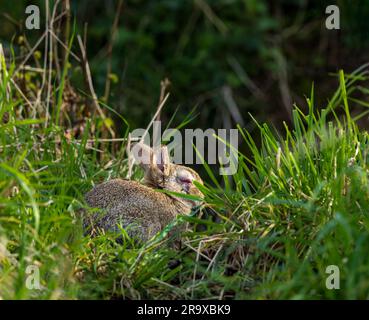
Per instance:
x=160, y=173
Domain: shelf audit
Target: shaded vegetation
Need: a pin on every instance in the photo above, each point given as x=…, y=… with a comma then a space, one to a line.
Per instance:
x=297, y=204
x=266, y=52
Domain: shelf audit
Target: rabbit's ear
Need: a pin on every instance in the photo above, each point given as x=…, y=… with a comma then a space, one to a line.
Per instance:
x=143, y=155
x=163, y=160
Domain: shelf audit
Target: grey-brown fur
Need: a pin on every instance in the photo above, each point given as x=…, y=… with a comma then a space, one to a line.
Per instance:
x=138, y=208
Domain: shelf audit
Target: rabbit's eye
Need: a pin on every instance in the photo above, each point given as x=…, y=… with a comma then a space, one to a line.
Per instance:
x=184, y=180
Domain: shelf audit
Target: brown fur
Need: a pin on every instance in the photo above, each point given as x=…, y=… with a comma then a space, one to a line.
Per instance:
x=138, y=208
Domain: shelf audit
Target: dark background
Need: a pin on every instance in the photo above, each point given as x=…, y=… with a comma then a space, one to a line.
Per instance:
x=220, y=56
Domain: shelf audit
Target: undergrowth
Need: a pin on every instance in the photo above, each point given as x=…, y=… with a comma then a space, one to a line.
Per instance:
x=298, y=203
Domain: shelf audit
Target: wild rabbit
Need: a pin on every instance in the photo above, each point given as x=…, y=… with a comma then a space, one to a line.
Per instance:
x=139, y=208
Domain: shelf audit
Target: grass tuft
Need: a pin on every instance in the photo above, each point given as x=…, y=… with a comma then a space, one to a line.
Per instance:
x=297, y=204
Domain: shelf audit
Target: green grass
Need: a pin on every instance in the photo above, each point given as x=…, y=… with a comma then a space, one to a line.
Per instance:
x=298, y=203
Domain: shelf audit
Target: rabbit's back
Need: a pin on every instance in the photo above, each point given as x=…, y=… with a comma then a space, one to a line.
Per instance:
x=140, y=209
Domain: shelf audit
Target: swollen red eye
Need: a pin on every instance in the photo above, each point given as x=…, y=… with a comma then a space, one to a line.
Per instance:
x=185, y=180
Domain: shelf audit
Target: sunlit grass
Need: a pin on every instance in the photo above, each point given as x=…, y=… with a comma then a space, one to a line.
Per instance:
x=297, y=204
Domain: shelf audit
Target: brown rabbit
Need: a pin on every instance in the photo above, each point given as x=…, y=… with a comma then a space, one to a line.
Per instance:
x=139, y=208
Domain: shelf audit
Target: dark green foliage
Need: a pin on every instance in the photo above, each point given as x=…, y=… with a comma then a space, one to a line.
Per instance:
x=298, y=203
